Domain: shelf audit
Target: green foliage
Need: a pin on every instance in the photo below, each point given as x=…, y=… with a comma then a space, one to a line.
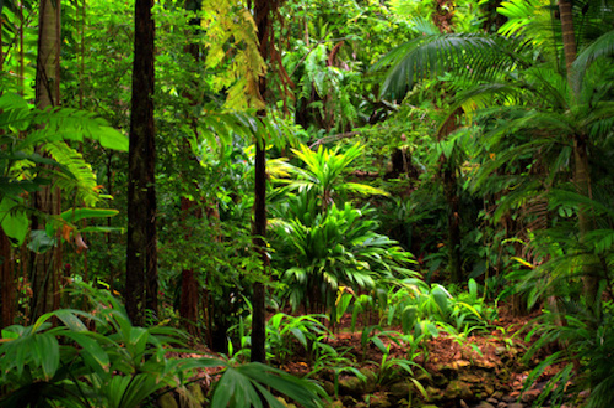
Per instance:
x=324, y=173
x=120, y=365
x=588, y=347
x=23, y=169
x=282, y=330
x=336, y=248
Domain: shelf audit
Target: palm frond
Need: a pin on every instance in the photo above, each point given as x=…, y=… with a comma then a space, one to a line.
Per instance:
x=470, y=55
x=602, y=47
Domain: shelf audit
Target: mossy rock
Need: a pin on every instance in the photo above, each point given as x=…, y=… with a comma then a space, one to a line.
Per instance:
x=371, y=383
x=167, y=400
x=349, y=402
x=458, y=389
x=352, y=386
x=434, y=394
x=380, y=400
x=197, y=394
x=328, y=387
x=400, y=389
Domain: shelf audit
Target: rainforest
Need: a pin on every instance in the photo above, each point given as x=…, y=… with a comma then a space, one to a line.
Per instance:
x=307, y=203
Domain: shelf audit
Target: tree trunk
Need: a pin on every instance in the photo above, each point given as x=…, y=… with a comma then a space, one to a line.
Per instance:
x=44, y=273
x=8, y=287
x=141, y=250
x=189, y=284
x=449, y=179
x=582, y=166
x=569, y=39
x=262, y=9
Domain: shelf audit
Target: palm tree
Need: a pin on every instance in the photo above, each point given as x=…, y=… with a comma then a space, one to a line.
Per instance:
x=500, y=66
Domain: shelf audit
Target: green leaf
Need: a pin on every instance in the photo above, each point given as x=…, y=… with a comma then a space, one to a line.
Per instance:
x=91, y=346
x=13, y=219
x=77, y=214
x=49, y=350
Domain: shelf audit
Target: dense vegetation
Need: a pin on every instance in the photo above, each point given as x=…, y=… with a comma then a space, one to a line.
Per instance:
x=255, y=178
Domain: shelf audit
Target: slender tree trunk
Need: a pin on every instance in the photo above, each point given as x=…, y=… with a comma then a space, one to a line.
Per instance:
x=569, y=38
x=582, y=177
x=8, y=287
x=443, y=19
x=448, y=175
x=141, y=251
x=262, y=10
x=45, y=280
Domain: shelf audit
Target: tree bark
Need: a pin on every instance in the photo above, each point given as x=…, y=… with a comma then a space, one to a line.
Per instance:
x=190, y=295
x=582, y=177
x=448, y=175
x=569, y=38
x=8, y=287
x=262, y=9
x=44, y=274
x=141, y=251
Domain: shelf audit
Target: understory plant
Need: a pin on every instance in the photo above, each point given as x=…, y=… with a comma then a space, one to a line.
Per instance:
x=325, y=250
x=121, y=366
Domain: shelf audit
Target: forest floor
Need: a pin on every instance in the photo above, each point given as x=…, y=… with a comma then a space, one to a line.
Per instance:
x=499, y=347
x=488, y=363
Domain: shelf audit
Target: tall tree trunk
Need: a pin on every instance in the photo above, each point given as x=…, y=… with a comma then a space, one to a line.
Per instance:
x=189, y=284
x=569, y=38
x=582, y=167
x=45, y=270
x=141, y=250
x=262, y=10
x=448, y=174
x=443, y=19
x=8, y=287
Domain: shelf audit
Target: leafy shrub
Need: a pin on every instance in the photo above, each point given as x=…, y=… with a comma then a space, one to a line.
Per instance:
x=122, y=366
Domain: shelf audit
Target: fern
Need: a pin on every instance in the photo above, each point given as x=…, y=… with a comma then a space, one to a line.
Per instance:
x=79, y=178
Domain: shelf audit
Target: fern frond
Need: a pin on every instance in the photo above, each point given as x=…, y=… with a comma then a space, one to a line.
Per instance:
x=83, y=180
x=71, y=124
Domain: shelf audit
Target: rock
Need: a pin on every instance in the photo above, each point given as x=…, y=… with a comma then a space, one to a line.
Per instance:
x=400, y=389
x=167, y=400
x=500, y=350
x=329, y=387
x=352, y=386
x=497, y=394
x=371, y=384
x=515, y=405
x=485, y=404
x=348, y=401
x=434, y=394
x=502, y=405
x=486, y=364
x=503, y=375
x=470, y=378
x=492, y=400
x=197, y=393
x=380, y=400
x=458, y=389
x=440, y=380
